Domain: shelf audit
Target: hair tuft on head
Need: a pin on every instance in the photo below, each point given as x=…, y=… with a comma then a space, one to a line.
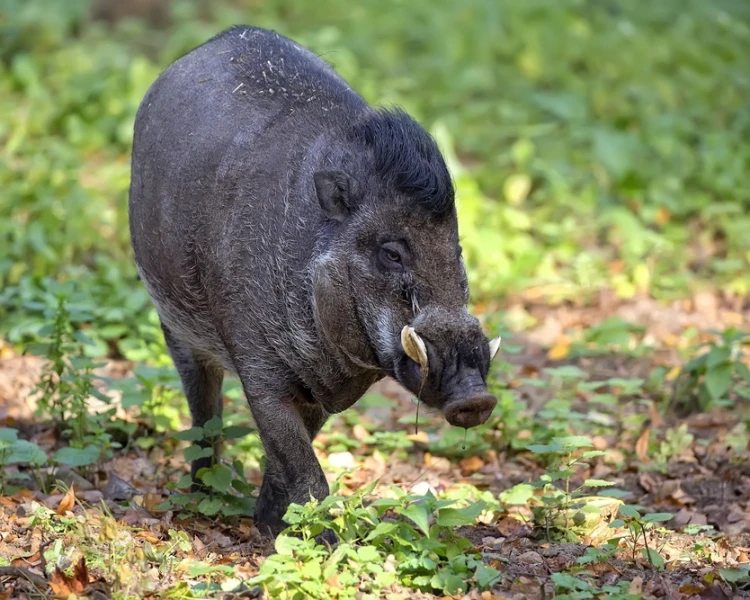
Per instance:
x=407, y=158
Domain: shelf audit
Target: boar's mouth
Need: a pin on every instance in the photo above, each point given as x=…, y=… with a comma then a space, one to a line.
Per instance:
x=466, y=403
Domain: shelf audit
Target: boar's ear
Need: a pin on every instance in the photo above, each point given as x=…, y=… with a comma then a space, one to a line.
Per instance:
x=334, y=190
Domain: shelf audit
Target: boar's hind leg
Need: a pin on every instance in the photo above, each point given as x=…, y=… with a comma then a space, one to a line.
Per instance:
x=293, y=473
x=202, y=384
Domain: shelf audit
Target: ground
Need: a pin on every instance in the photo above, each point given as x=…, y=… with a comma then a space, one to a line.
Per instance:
x=694, y=467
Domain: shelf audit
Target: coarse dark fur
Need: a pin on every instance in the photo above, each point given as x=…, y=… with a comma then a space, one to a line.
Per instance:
x=287, y=232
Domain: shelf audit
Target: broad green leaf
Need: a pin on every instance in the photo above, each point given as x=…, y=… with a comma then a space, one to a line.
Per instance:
x=190, y=435
x=592, y=454
x=563, y=581
x=743, y=371
x=574, y=441
x=233, y=432
x=448, y=583
x=630, y=512
x=419, y=514
x=718, y=355
x=381, y=529
x=192, y=453
x=597, y=483
x=8, y=435
x=200, y=568
x=544, y=448
x=718, y=380
x=311, y=570
x=210, y=506
x=740, y=574
x=519, y=494
x=657, y=517
x=218, y=477
x=656, y=559
x=457, y=517
x=285, y=545
x=213, y=427
x=486, y=576
x=77, y=457
x=614, y=493
x=368, y=553
x=22, y=451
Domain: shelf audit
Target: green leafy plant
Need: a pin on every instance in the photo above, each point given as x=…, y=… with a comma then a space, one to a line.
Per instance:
x=404, y=538
x=226, y=490
x=637, y=526
x=574, y=588
x=566, y=509
x=717, y=376
x=14, y=451
x=66, y=389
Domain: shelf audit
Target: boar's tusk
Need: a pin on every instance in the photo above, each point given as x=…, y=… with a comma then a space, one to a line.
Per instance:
x=494, y=347
x=414, y=346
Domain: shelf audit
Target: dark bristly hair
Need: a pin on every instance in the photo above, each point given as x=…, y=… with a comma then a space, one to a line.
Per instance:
x=408, y=158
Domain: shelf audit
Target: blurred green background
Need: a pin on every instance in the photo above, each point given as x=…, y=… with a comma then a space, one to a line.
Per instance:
x=595, y=143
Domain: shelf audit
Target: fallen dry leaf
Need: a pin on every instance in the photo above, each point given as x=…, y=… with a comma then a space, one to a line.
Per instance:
x=641, y=446
x=24, y=561
x=636, y=586
x=360, y=433
x=148, y=536
x=420, y=437
x=561, y=348
x=68, y=502
x=64, y=585
x=688, y=517
x=654, y=415
x=151, y=501
x=714, y=592
x=510, y=527
x=471, y=464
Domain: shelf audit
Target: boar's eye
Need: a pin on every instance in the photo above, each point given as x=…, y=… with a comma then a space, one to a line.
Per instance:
x=391, y=256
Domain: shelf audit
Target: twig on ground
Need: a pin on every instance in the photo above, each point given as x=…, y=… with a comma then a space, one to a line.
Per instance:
x=35, y=579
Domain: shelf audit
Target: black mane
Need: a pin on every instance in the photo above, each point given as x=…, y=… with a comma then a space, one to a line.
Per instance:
x=408, y=158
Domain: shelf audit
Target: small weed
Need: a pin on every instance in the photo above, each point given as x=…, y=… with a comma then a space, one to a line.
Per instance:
x=565, y=509
x=717, y=377
x=66, y=389
x=227, y=493
x=13, y=452
x=637, y=526
x=574, y=588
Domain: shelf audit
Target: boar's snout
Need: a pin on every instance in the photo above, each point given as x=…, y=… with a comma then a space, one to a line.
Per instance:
x=445, y=362
x=471, y=411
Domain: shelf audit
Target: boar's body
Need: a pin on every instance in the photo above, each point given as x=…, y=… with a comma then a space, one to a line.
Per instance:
x=287, y=232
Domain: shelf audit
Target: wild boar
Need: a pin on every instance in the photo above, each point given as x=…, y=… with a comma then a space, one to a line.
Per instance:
x=292, y=234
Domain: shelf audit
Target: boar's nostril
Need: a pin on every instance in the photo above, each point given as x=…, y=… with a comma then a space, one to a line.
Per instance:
x=472, y=411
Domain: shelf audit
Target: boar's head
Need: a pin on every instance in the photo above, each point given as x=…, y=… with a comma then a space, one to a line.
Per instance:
x=390, y=287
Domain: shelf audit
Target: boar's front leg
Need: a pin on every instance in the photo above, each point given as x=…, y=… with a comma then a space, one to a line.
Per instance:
x=293, y=473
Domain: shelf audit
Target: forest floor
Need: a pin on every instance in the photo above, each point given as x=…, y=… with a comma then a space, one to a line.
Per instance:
x=614, y=373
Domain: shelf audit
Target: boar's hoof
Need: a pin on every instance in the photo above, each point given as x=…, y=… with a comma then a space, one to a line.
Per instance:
x=470, y=412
